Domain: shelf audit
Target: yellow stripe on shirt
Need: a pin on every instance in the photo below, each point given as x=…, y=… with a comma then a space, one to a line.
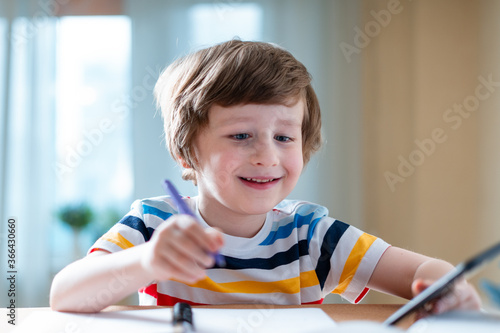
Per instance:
x=287, y=286
x=352, y=263
x=116, y=238
x=308, y=279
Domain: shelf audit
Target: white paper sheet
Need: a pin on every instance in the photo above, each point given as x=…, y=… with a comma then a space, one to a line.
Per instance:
x=160, y=321
x=458, y=322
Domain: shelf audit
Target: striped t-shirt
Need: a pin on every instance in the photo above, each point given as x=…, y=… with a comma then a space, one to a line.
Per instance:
x=298, y=257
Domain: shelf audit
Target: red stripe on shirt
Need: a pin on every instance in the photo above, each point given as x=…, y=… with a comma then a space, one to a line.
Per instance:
x=360, y=297
x=150, y=290
x=319, y=301
x=164, y=299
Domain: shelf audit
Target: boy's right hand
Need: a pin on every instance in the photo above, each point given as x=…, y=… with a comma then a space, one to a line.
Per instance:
x=180, y=248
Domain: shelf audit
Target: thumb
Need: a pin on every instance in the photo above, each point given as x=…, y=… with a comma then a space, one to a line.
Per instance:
x=216, y=238
x=419, y=285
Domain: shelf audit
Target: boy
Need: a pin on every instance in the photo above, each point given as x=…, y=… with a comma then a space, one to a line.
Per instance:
x=242, y=119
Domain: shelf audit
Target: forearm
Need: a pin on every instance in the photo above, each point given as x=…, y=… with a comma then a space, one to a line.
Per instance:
x=398, y=269
x=93, y=283
x=406, y=274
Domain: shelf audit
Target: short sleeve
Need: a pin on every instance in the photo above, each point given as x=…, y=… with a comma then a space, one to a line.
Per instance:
x=345, y=258
x=136, y=227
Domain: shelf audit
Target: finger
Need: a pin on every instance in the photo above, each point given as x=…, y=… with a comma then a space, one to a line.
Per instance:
x=215, y=237
x=446, y=302
x=183, y=245
x=207, y=238
x=463, y=297
x=166, y=258
x=419, y=285
x=184, y=270
x=166, y=267
x=182, y=234
x=174, y=264
x=473, y=300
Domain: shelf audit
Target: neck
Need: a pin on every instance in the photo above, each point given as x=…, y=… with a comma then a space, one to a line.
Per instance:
x=230, y=222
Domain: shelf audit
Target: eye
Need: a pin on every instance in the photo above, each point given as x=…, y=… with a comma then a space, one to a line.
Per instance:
x=240, y=136
x=282, y=138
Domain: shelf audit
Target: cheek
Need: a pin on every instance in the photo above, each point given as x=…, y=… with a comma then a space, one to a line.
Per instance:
x=295, y=163
x=299, y=166
x=221, y=167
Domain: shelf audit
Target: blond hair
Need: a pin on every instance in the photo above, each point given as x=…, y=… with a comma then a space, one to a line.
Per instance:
x=227, y=74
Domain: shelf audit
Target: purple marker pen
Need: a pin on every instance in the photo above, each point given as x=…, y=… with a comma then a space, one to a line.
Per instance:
x=183, y=208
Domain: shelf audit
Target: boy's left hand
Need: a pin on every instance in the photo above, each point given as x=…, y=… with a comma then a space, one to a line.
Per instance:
x=463, y=296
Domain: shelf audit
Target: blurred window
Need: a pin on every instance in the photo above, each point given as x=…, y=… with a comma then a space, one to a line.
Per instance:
x=93, y=132
x=221, y=21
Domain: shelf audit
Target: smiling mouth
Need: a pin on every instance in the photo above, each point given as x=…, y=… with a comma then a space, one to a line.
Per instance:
x=260, y=181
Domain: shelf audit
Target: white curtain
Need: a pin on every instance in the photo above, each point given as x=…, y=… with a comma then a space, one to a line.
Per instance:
x=27, y=145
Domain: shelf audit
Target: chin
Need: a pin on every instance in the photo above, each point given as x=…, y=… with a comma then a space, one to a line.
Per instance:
x=261, y=208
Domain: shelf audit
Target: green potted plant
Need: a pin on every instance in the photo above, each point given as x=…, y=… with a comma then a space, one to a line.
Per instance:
x=76, y=216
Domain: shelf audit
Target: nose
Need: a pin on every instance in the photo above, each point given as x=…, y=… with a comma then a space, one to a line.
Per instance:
x=265, y=153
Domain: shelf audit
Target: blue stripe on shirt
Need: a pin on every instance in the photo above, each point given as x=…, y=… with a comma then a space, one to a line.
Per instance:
x=279, y=259
x=286, y=230
x=137, y=224
x=330, y=241
x=156, y=212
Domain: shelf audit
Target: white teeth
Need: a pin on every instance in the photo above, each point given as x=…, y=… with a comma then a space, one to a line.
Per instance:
x=259, y=180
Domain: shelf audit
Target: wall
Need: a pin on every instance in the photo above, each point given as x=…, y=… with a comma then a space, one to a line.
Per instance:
x=489, y=135
x=430, y=141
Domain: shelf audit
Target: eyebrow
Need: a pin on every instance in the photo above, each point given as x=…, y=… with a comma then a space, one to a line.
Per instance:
x=236, y=120
x=292, y=123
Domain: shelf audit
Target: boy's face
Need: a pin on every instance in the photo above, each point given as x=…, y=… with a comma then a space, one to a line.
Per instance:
x=249, y=157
